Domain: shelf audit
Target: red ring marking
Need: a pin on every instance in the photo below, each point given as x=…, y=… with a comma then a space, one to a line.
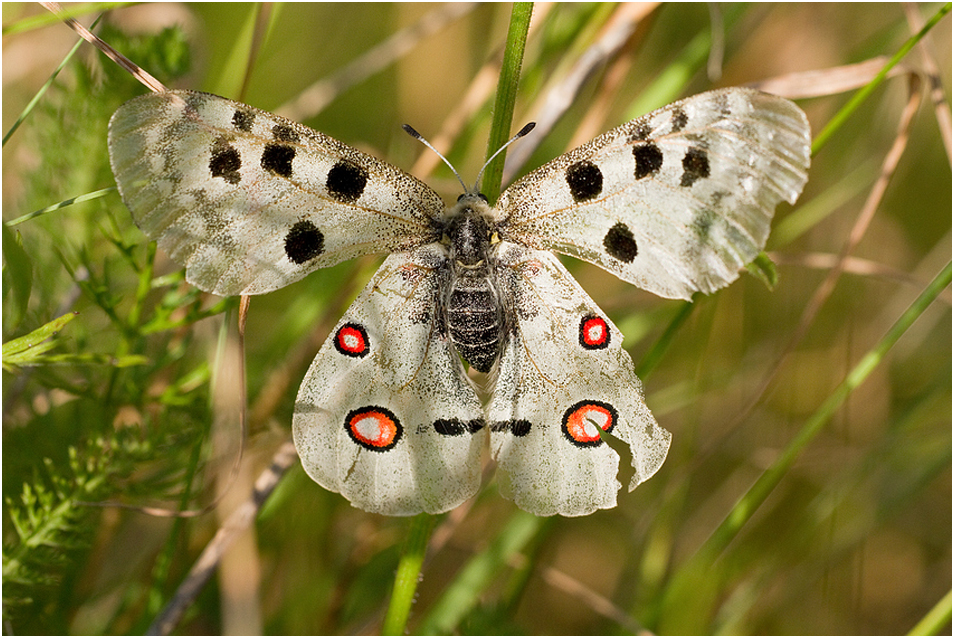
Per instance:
x=582, y=421
x=352, y=340
x=374, y=428
x=594, y=332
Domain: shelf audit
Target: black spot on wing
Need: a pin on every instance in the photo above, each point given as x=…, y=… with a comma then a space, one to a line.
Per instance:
x=304, y=242
x=284, y=133
x=585, y=180
x=454, y=426
x=620, y=243
x=516, y=427
x=346, y=181
x=225, y=161
x=696, y=165
x=277, y=159
x=641, y=132
x=647, y=160
x=243, y=120
x=678, y=119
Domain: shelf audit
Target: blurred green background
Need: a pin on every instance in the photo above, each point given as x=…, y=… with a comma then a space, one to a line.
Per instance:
x=856, y=538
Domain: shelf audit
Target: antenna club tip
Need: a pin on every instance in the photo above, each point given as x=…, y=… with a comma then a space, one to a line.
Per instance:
x=410, y=131
x=527, y=129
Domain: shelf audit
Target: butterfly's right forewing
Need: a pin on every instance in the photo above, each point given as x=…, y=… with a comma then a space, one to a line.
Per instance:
x=249, y=201
x=676, y=201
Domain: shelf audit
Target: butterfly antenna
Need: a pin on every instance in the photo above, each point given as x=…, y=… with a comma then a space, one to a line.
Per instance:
x=527, y=129
x=417, y=136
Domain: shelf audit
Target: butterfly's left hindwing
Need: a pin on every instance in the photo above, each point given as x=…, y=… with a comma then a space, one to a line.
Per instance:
x=248, y=201
x=563, y=375
x=386, y=415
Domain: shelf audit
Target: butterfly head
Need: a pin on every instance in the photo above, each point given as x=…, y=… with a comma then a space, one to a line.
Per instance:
x=474, y=192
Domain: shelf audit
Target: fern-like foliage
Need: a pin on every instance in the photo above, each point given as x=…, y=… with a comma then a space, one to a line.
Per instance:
x=54, y=515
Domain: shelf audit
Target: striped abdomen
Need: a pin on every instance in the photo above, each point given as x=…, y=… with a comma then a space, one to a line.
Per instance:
x=474, y=319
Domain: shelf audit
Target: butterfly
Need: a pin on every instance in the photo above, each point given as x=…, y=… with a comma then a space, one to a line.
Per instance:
x=675, y=202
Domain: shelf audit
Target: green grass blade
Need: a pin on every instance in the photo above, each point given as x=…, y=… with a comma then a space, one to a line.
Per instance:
x=86, y=197
x=28, y=349
x=772, y=476
x=46, y=85
x=462, y=594
x=937, y=618
x=506, y=96
x=862, y=94
x=686, y=584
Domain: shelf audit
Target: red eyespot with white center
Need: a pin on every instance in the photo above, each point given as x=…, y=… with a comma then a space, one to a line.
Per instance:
x=373, y=428
x=352, y=340
x=594, y=332
x=584, y=420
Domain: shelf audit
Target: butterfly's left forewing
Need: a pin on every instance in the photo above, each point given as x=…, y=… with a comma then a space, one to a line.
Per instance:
x=386, y=416
x=563, y=377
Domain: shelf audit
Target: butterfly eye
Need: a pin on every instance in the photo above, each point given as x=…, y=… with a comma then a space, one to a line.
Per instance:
x=470, y=195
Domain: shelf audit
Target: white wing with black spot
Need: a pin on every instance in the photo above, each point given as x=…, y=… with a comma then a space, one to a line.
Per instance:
x=248, y=201
x=386, y=415
x=563, y=377
x=676, y=201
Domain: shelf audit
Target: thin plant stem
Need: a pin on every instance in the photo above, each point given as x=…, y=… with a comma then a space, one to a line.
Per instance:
x=406, y=578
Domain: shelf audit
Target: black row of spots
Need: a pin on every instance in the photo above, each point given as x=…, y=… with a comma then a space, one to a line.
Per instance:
x=346, y=181
x=304, y=242
x=516, y=427
x=224, y=161
x=454, y=427
x=585, y=180
x=351, y=340
x=696, y=165
x=278, y=154
x=581, y=424
x=594, y=332
x=620, y=243
x=647, y=160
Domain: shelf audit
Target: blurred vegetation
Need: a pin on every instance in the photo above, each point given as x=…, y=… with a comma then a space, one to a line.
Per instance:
x=114, y=403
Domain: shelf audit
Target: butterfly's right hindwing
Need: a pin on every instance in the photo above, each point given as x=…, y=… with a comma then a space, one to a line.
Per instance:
x=249, y=201
x=386, y=416
x=564, y=377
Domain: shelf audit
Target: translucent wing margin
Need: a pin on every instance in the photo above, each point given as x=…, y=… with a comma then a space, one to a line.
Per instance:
x=386, y=416
x=676, y=201
x=562, y=379
x=248, y=201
